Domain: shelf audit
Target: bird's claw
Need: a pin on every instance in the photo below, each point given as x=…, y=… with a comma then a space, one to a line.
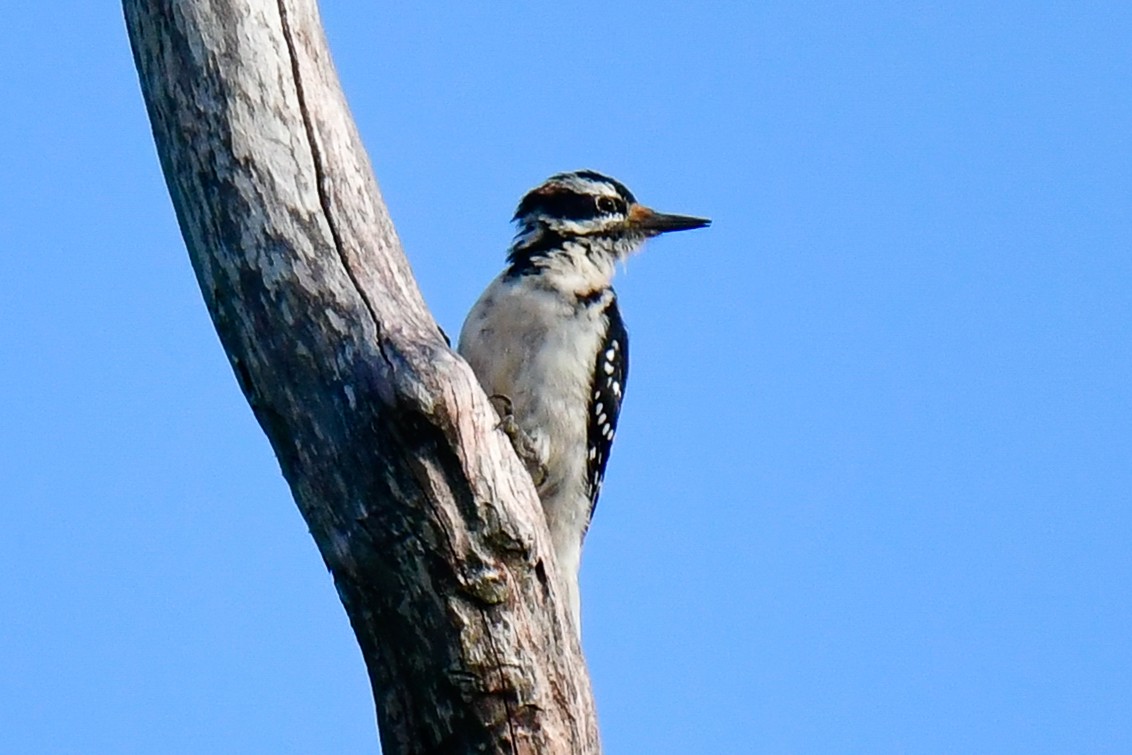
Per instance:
x=520, y=441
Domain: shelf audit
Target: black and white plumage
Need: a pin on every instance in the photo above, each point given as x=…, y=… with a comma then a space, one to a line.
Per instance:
x=548, y=336
x=611, y=372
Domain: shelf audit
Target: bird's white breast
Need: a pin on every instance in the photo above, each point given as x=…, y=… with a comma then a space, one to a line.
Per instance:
x=538, y=347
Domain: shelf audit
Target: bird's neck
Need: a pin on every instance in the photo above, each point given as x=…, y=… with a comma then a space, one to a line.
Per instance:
x=574, y=265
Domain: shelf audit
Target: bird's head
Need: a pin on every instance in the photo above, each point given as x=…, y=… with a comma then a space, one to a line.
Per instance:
x=591, y=210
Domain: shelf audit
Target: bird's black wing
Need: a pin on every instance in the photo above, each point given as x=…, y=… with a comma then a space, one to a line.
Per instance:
x=611, y=370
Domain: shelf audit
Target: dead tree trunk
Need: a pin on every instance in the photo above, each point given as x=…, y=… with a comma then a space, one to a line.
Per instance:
x=427, y=521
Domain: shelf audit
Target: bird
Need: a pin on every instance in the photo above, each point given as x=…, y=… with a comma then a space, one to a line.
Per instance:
x=547, y=342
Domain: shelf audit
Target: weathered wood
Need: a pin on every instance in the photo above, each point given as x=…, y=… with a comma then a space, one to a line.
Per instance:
x=422, y=513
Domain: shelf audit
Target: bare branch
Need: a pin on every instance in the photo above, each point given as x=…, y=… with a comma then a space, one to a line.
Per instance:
x=427, y=521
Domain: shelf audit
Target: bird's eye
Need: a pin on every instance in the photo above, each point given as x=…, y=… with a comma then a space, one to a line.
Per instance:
x=606, y=205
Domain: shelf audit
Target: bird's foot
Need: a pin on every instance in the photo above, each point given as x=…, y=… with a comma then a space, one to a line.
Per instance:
x=520, y=441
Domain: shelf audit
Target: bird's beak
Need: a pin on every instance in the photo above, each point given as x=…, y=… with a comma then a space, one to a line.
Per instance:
x=653, y=223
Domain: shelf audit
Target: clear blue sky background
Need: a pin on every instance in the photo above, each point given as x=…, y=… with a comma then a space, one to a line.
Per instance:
x=872, y=487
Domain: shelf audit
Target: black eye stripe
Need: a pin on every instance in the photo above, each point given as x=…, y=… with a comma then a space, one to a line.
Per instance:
x=579, y=196
x=563, y=204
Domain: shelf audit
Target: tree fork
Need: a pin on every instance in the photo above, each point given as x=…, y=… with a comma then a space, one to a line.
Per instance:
x=428, y=523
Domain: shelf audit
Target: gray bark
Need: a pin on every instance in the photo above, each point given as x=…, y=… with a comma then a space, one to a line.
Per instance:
x=427, y=521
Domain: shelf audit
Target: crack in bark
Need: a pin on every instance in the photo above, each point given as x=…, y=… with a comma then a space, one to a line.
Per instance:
x=502, y=678
x=440, y=449
x=320, y=174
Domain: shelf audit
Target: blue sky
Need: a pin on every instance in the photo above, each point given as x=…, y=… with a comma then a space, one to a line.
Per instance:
x=871, y=489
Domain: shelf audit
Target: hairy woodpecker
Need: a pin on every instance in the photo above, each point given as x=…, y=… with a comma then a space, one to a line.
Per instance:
x=546, y=340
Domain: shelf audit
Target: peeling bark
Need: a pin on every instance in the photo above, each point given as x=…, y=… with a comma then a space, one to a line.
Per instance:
x=427, y=521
